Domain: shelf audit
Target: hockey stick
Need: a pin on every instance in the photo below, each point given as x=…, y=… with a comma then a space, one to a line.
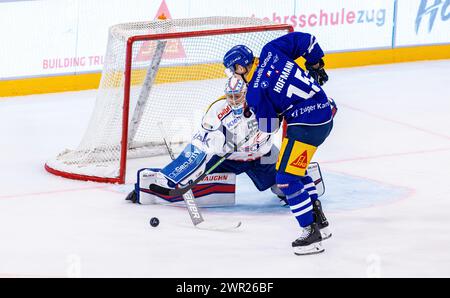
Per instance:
x=182, y=190
x=191, y=205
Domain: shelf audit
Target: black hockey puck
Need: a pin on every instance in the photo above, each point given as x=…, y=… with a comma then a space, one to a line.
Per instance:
x=154, y=221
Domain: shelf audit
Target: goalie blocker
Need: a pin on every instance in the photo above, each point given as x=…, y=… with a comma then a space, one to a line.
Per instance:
x=215, y=190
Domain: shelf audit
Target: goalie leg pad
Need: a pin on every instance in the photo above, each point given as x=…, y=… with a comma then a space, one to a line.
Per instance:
x=145, y=177
x=215, y=190
x=187, y=166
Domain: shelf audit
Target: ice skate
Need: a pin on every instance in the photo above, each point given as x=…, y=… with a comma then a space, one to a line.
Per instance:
x=132, y=196
x=321, y=220
x=310, y=242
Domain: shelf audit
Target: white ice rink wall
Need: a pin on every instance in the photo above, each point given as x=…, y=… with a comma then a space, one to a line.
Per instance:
x=65, y=40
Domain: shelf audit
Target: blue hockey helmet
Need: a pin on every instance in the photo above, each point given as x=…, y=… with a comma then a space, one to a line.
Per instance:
x=239, y=54
x=235, y=92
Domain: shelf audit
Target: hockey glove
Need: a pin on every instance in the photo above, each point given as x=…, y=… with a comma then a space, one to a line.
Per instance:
x=318, y=73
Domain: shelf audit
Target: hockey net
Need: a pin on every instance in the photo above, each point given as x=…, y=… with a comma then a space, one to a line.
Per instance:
x=165, y=71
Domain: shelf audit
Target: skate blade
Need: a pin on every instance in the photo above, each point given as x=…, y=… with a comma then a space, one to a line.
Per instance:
x=218, y=226
x=312, y=249
x=325, y=233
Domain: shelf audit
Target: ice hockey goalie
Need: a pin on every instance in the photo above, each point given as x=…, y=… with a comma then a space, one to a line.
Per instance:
x=226, y=123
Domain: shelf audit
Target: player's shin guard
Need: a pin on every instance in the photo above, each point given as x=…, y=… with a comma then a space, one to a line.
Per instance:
x=310, y=187
x=297, y=197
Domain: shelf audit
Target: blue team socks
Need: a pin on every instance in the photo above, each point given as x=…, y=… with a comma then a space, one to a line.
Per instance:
x=297, y=197
x=301, y=207
x=310, y=188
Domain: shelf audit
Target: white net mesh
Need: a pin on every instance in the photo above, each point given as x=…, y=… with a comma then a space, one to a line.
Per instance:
x=172, y=81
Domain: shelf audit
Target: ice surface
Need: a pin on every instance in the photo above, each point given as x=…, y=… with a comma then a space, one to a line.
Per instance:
x=386, y=168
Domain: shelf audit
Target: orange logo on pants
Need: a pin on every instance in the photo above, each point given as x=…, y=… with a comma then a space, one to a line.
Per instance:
x=301, y=162
x=299, y=157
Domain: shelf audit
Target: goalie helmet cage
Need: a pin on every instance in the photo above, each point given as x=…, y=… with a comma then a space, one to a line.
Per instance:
x=162, y=71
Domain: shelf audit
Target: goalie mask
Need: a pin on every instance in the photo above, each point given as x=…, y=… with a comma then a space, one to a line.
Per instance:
x=235, y=91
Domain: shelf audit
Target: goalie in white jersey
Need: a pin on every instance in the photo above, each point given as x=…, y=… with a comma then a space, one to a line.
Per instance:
x=226, y=123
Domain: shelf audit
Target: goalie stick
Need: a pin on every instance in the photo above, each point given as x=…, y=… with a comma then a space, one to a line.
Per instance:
x=189, y=199
x=182, y=190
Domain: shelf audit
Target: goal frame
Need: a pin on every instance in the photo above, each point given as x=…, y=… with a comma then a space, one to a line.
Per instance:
x=127, y=87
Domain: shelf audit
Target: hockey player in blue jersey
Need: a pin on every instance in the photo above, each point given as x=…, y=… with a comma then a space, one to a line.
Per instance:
x=278, y=88
x=225, y=122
